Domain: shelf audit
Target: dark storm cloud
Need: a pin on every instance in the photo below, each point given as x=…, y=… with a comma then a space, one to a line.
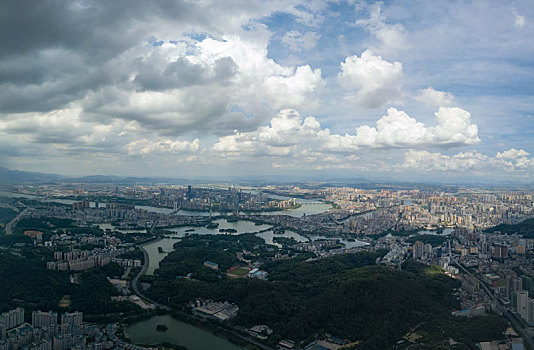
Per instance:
x=193, y=110
x=96, y=28
x=53, y=52
x=182, y=73
x=51, y=134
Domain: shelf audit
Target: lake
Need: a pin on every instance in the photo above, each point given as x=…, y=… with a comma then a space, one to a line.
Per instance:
x=347, y=243
x=242, y=226
x=154, y=256
x=178, y=333
x=108, y=226
x=446, y=232
x=269, y=235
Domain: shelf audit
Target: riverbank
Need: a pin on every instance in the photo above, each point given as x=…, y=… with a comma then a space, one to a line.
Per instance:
x=190, y=332
x=217, y=330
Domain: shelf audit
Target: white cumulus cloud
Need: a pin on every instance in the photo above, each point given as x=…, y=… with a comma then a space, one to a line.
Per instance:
x=397, y=129
x=289, y=134
x=162, y=146
x=512, y=160
x=428, y=161
x=433, y=97
x=370, y=80
x=287, y=129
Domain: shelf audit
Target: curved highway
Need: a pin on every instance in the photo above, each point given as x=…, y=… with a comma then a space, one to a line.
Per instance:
x=135, y=282
x=9, y=226
x=141, y=295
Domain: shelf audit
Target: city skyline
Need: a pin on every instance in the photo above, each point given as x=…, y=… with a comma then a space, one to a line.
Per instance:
x=437, y=91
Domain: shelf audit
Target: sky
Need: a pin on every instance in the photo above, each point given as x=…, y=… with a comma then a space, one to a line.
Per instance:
x=405, y=90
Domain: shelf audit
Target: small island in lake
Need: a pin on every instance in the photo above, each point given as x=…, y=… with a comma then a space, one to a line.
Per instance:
x=227, y=230
x=160, y=250
x=190, y=230
x=161, y=328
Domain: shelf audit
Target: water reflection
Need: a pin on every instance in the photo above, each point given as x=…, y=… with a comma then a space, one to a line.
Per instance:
x=154, y=255
x=178, y=333
x=241, y=226
x=268, y=237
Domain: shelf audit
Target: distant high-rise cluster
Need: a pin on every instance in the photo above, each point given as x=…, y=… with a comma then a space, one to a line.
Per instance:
x=81, y=205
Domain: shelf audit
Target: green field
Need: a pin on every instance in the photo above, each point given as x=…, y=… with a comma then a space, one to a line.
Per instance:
x=239, y=272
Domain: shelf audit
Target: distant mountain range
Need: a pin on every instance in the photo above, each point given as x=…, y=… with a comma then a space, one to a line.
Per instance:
x=13, y=177
x=17, y=176
x=25, y=177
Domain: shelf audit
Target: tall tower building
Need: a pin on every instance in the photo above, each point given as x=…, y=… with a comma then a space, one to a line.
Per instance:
x=418, y=249
x=522, y=303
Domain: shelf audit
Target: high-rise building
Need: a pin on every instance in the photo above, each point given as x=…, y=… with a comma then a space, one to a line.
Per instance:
x=530, y=312
x=522, y=303
x=12, y=318
x=500, y=251
x=418, y=249
x=42, y=319
x=71, y=322
x=527, y=283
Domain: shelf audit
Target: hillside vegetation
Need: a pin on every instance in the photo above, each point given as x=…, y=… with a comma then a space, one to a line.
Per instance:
x=524, y=228
x=345, y=295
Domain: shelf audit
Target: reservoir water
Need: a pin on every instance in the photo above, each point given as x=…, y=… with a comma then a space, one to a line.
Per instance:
x=347, y=243
x=154, y=256
x=108, y=226
x=269, y=235
x=178, y=333
x=241, y=226
x=446, y=232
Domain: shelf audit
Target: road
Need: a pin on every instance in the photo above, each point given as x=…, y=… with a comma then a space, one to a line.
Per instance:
x=511, y=316
x=9, y=226
x=135, y=283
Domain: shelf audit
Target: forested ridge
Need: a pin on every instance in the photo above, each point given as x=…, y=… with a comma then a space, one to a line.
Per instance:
x=345, y=295
x=524, y=228
x=26, y=282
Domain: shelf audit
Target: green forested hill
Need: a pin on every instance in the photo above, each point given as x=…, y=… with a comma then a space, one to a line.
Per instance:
x=345, y=295
x=26, y=282
x=524, y=228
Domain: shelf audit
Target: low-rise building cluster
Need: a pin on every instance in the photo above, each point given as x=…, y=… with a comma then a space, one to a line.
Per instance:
x=77, y=260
